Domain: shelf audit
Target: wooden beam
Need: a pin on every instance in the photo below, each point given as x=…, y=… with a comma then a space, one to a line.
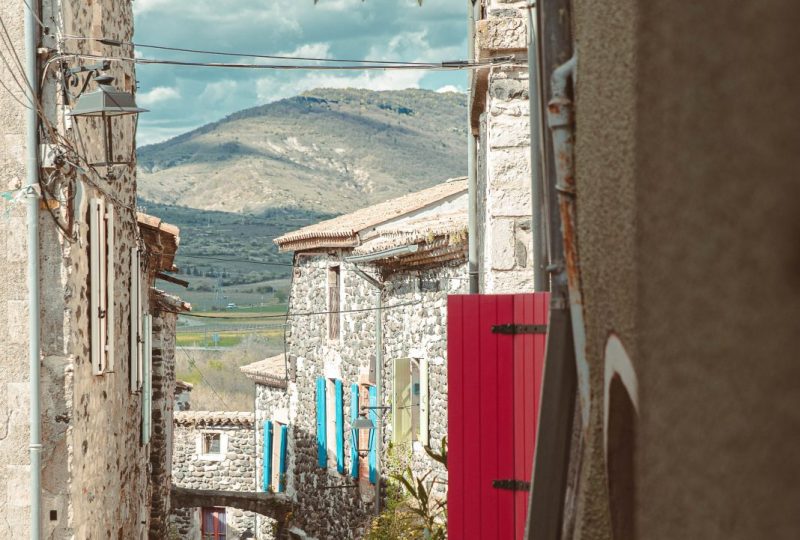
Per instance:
x=172, y=279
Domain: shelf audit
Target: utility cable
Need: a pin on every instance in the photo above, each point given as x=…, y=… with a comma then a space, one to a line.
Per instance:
x=443, y=66
x=297, y=314
x=118, y=43
x=193, y=364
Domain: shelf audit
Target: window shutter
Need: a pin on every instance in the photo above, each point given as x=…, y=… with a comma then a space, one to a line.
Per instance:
x=401, y=402
x=267, y=455
x=147, y=393
x=424, y=432
x=322, y=444
x=339, y=426
x=373, y=452
x=97, y=296
x=109, y=290
x=282, y=468
x=135, y=307
x=353, y=434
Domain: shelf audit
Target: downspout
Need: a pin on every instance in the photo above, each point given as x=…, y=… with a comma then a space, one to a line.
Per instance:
x=560, y=116
x=540, y=282
x=32, y=199
x=472, y=166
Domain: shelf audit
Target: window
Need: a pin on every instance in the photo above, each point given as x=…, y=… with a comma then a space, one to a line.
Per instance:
x=211, y=443
x=101, y=279
x=410, y=401
x=214, y=524
x=333, y=302
x=274, y=457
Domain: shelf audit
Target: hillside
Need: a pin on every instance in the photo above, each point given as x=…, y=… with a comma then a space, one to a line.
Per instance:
x=327, y=151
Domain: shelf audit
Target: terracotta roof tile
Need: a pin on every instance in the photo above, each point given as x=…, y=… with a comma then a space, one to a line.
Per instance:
x=214, y=418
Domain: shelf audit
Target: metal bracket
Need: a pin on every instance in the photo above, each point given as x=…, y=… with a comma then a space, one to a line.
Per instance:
x=514, y=329
x=512, y=485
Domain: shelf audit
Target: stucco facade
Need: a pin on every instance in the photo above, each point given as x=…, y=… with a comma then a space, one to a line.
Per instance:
x=680, y=177
x=96, y=479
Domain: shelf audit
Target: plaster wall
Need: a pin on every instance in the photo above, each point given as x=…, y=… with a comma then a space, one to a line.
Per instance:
x=687, y=232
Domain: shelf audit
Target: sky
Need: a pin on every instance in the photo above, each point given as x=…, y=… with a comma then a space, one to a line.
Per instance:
x=183, y=98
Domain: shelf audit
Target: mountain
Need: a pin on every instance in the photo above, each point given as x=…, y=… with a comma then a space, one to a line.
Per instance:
x=327, y=151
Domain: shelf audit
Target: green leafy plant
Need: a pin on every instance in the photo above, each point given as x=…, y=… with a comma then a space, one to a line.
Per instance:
x=430, y=511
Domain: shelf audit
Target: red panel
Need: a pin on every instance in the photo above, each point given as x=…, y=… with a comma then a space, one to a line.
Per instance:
x=455, y=415
x=504, y=418
x=493, y=399
x=473, y=400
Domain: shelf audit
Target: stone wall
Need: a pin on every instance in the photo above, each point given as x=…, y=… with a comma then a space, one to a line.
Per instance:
x=161, y=442
x=235, y=471
x=272, y=403
x=95, y=472
x=415, y=328
x=504, y=174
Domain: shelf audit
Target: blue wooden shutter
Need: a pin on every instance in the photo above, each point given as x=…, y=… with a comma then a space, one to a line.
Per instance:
x=322, y=444
x=282, y=469
x=267, y=455
x=339, y=427
x=373, y=453
x=353, y=434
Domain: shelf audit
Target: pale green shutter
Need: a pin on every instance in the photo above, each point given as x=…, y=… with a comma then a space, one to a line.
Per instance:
x=401, y=402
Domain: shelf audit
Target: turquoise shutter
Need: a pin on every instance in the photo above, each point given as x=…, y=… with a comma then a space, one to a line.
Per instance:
x=322, y=445
x=282, y=481
x=353, y=434
x=373, y=453
x=267, y=454
x=339, y=427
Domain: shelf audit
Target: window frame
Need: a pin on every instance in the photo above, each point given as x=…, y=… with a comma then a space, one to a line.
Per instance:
x=214, y=512
x=201, y=448
x=334, y=294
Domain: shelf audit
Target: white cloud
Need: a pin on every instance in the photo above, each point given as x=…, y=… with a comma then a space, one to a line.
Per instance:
x=271, y=89
x=449, y=88
x=157, y=95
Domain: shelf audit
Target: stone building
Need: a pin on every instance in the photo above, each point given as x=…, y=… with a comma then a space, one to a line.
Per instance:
x=405, y=255
x=97, y=262
x=499, y=119
x=213, y=451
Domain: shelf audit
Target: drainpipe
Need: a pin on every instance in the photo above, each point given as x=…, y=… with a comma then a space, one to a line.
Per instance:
x=472, y=168
x=32, y=199
x=560, y=116
x=393, y=252
x=537, y=188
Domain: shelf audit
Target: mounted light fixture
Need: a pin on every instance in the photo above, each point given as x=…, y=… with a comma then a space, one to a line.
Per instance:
x=106, y=103
x=362, y=423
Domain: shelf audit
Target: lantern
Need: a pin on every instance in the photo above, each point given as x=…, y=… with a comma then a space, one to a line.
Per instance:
x=106, y=103
x=362, y=423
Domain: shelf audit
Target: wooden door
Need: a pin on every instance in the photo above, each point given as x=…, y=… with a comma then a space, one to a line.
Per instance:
x=495, y=360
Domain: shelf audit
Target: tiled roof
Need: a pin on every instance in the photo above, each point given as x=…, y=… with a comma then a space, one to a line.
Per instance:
x=270, y=372
x=183, y=385
x=168, y=302
x=214, y=419
x=343, y=231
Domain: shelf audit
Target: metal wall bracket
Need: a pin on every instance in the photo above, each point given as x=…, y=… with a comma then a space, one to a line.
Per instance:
x=512, y=485
x=519, y=329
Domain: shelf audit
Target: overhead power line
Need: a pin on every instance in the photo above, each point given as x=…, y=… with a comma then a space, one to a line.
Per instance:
x=297, y=314
x=118, y=43
x=439, y=66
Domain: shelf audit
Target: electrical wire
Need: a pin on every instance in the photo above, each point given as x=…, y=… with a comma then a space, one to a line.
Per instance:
x=297, y=314
x=35, y=15
x=443, y=66
x=117, y=43
x=193, y=364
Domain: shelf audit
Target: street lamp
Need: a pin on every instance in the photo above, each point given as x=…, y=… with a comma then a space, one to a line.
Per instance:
x=106, y=103
x=362, y=423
